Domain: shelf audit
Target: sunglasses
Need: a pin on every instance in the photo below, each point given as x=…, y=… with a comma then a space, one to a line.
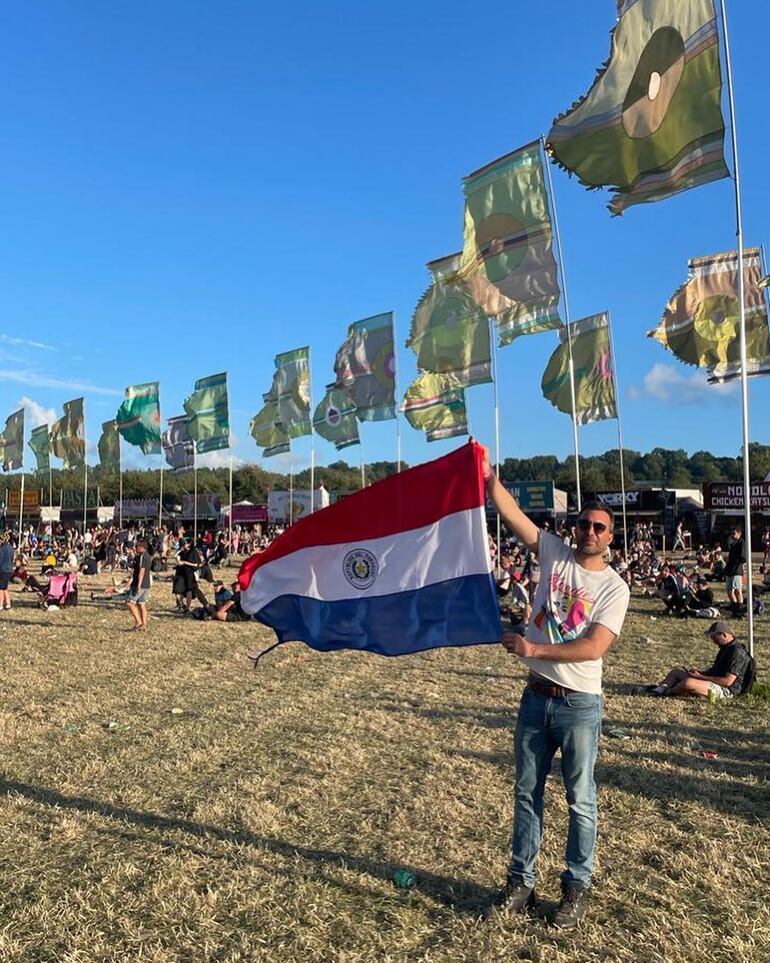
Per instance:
x=585, y=525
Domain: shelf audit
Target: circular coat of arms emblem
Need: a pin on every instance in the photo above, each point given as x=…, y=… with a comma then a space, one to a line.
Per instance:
x=360, y=568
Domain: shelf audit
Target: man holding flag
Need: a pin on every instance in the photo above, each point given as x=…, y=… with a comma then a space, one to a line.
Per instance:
x=577, y=613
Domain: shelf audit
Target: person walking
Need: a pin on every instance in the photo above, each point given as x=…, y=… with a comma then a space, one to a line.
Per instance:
x=6, y=569
x=141, y=580
x=578, y=611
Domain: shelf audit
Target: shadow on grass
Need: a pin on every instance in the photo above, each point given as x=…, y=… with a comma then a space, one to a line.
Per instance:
x=462, y=895
x=487, y=717
x=746, y=802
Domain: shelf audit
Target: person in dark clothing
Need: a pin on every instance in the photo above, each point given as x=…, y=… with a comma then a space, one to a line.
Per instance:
x=723, y=680
x=185, y=584
x=231, y=611
x=141, y=580
x=699, y=596
x=736, y=560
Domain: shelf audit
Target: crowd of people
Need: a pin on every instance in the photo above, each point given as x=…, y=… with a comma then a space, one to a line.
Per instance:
x=136, y=557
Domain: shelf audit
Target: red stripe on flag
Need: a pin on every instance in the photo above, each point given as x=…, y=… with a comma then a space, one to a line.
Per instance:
x=411, y=499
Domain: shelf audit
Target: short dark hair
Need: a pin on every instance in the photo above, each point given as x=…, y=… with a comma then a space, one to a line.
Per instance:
x=594, y=506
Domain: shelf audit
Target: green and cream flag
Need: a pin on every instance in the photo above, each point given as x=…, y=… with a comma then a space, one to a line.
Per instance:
x=138, y=417
x=38, y=442
x=651, y=125
x=109, y=446
x=507, y=264
x=450, y=332
x=12, y=441
x=207, y=411
x=365, y=367
x=290, y=392
x=701, y=323
x=593, y=366
x=67, y=438
x=765, y=282
x=335, y=418
x=434, y=405
x=268, y=432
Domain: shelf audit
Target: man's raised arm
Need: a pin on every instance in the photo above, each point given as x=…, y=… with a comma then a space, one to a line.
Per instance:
x=507, y=508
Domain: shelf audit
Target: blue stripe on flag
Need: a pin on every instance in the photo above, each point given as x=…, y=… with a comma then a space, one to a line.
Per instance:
x=462, y=611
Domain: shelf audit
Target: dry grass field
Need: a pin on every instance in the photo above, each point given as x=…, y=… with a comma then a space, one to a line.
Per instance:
x=161, y=801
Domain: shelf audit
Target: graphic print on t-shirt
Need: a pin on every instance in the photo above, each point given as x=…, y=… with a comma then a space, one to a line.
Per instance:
x=566, y=611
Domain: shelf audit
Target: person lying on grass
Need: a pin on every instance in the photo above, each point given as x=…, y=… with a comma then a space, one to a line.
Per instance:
x=726, y=677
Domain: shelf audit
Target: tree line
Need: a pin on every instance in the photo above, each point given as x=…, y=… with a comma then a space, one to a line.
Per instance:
x=667, y=467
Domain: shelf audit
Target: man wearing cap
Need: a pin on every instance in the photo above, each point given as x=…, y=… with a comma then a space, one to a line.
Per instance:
x=723, y=680
x=578, y=611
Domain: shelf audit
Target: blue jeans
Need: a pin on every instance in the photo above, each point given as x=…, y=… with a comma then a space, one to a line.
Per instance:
x=545, y=724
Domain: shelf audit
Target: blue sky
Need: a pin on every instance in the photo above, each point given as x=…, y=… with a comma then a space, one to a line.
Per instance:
x=190, y=187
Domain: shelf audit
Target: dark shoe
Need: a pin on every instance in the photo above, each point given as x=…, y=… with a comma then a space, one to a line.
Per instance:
x=514, y=897
x=573, y=906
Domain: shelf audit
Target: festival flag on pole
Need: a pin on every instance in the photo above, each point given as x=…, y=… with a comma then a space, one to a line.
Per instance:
x=765, y=282
x=290, y=392
x=109, y=446
x=651, y=125
x=138, y=417
x=67, y=438
x=38, y=442
x=701, y=322
x=207, y=411
x=12, y=441
x=593, y=364
x=398, y=567
x=178, y=447
x=507, y=263
x=450, y=333
x=335, y=418
x=268, y=432
x=434, y=405
x=365, y=367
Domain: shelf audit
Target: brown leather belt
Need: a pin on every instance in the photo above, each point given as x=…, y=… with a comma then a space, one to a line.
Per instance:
x=550, y=689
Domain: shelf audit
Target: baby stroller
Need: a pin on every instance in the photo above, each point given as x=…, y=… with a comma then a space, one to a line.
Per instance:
x=62, y=591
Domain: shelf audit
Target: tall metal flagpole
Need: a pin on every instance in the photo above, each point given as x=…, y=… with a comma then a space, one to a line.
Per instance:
x=496, y=396
x=742, y=311
x=312, y=435
x=85, y=474
x=230, y=447
x=195, y=494
x=396, y=393
x=568, y=322
x=21, y=506
x=620, y=436
x=120, y=481
x=291, y=491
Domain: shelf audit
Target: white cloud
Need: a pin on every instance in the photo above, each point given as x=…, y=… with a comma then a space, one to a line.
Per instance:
x=221, y=458
x=24, y=343
x=37, y=379
x=671, y=385
x=36, y=414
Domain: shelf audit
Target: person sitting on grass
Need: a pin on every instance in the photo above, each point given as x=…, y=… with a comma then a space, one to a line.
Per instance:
x=730, y=675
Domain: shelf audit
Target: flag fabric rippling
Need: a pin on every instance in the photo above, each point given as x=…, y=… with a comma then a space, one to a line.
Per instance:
x=432, y=404
x=651, y=125
x=701, y=323
x=398, y=567
x=138, y=417
x=67, y=438
x=593, y=367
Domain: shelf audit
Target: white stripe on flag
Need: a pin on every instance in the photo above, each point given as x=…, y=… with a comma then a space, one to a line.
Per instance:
x=453, y=547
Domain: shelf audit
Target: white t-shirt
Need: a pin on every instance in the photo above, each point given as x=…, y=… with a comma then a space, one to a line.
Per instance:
x=567, y=602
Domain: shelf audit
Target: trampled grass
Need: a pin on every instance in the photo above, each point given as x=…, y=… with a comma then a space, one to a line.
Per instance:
x=162, y=801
